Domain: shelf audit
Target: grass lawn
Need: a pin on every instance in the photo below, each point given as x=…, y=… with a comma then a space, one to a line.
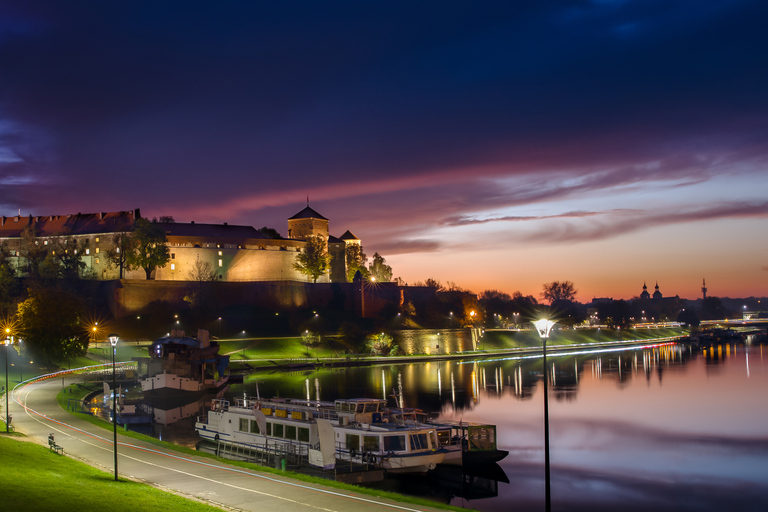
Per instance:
x=34, y=478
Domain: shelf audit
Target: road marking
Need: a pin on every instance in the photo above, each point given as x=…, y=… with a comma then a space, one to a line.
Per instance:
x=31, y=413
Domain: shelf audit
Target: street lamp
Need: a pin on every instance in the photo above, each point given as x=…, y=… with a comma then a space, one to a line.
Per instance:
x=543, y=327
x=113, y=341
x=8, y=341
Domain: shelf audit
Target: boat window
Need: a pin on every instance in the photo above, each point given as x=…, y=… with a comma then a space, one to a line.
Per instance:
x=277, y=430
x=304, y=434
x=381, y=406
x=360, y=407
x=338, y=406
x=269, y=429
x=243, y=425
x=353, y=442
x=394, y=443
x=371, y=443
x=419, y=442
x=290, y=432
x=254, y=427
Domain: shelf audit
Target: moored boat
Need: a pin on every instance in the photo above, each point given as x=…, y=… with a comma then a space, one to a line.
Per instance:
x=322, y=433
x=182, y=365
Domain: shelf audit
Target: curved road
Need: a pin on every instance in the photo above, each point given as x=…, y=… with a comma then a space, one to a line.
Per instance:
x=36, y=413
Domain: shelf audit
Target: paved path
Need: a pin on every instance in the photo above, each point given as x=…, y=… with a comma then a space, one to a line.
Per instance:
x=36, y=414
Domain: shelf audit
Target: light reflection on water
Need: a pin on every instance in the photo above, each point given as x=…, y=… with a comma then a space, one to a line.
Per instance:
x=673, y=427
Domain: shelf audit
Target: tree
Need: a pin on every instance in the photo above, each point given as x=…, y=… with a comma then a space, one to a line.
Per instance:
x=150, y=250
x=313, y=261
x=557, y=291
x=122, y=245
x=712, y=309
x=356, y=259
x=65, y=258
x=200, y=278
x=270, y=233
x=9, y=285
x=32, y=250
x=50, y=322
x=379, y=269
x=434, y=283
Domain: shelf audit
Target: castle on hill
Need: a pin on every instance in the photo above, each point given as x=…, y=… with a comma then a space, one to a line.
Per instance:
x=235, y=253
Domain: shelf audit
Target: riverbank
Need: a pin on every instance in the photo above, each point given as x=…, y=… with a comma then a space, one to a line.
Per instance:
x=494, y=344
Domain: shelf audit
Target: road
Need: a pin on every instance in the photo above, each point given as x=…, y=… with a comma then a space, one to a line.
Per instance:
x=37, y=414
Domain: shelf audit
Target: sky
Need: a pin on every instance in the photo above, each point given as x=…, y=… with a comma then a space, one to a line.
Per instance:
x=495, y=145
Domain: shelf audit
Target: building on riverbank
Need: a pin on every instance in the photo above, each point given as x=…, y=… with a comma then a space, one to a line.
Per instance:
x=235, y=253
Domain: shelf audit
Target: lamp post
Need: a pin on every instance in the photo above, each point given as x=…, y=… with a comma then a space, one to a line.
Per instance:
x=543, y=327
x=8, y=341
x=113, y=341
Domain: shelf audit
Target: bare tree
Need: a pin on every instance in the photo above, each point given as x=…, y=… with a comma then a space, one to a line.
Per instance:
x=558, y=291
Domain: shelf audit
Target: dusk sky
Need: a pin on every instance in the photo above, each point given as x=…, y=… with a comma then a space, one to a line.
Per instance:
x=498, y=145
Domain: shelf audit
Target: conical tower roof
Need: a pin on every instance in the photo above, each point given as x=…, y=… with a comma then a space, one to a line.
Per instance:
x=307, y=213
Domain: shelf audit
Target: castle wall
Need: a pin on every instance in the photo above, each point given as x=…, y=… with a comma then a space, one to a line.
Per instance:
x=129, y=297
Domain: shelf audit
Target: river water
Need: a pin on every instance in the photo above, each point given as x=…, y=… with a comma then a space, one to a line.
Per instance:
x=670, y=427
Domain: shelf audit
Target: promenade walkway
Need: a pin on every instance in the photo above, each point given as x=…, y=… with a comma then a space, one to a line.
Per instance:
x=37, y=414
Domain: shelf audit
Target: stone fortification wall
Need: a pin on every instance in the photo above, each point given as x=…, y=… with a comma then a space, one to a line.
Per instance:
x=270, y=263
x=129, y=297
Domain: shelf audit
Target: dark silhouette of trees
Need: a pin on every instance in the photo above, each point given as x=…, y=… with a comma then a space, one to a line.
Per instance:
x=558, y=291
x=270, y=232
x=51, y=323
x=712, y=308
x=688, y=316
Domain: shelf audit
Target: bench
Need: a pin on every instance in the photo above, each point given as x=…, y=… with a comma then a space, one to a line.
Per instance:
x=53, y=446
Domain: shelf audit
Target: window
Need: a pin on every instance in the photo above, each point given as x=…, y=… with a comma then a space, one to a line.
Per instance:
x=44, y=243
x=219, y=253
x=290, y=432
x=97, y=261
x=97, y=239
x=304, y=434
x=419, y=442
x=87, y=251
x=277, y=430
x=243, y=425
x=173, y=266
x=269, y=429
x=173, y=255
x=97, y=250
x=118, y=250
x=371, y=443
x=394, y=443
x=221, y=263
x=353, y=442
x=254, y=427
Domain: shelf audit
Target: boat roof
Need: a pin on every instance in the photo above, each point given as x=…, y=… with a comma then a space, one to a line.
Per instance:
x=184, y=340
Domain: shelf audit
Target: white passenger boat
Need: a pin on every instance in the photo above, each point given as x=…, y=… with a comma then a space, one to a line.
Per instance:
x=320, y=433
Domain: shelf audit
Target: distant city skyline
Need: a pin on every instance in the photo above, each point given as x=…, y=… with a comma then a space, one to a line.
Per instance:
x=608, y=143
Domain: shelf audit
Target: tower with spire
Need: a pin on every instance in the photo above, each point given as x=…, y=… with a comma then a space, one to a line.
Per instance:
x=645, y=294
x=704, y=288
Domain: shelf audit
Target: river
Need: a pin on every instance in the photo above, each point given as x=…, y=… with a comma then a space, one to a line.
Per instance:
x=671, y=427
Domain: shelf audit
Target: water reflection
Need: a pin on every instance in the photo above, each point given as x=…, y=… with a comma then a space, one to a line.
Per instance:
x=643, y=423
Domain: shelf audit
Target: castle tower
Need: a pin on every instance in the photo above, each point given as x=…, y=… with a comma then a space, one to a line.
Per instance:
x=307, y=223
x=645, y=294
x=704, y=288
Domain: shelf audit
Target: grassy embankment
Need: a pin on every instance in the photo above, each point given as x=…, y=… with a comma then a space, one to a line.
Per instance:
x=503, y=339
x=35, y=479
